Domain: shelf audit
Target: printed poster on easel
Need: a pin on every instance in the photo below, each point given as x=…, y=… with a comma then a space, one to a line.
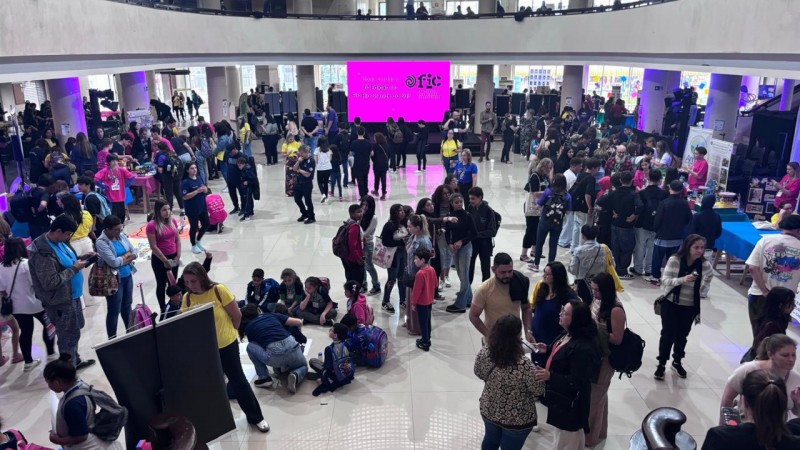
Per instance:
x=760, y=198
x=142, y=117
x=719, y=161
x=698, y=137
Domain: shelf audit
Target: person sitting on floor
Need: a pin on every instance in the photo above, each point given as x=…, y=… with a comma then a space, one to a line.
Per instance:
x=317, y=307
x=338, y=368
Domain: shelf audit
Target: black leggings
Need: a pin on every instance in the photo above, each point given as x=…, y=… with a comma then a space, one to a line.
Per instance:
x=380, y=180
x=25, y=322
x=422, y=158
x=195, y=233
x=507, y=143
x=531, y=224
x=324, y=180
x=160, y=272
x=172, y=189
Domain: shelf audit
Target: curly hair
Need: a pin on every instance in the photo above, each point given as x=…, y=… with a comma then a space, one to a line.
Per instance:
x=505, y=346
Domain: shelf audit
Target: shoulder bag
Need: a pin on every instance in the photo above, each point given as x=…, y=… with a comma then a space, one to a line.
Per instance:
x=663, y=298
x=7, y=307
x=383, y=256
x=103, y=281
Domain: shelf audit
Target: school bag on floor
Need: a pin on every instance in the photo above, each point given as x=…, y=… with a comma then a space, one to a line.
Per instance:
x=109, y=421
x=374, y=346
x=141, y=314
x=216, y=211
x=343, y=367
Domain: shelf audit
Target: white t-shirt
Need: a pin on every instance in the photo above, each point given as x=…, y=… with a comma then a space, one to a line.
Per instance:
x=737, y=378
x=666, y=160
x=571, y=177
x=778, y=256
x=324, y=161
x=25, y=301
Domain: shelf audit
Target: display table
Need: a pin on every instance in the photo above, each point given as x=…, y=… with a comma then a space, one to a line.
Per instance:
x=727, y=214
x=145, y=188
x=736, y=243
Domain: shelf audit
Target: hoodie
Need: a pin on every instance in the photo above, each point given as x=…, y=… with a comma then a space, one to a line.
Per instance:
x=484, y=219
x=707, y=222
x=51, y=281
x=359, y=309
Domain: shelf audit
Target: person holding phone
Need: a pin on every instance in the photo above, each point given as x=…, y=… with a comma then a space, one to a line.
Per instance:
x=116, y=251
x=165, y=243
x=789, y=186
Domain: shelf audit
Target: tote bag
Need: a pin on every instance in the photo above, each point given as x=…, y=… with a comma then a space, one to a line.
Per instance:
x=383, y=256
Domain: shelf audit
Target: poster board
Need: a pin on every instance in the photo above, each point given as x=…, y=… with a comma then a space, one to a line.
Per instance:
x=698, y=137
x=796, y=312
x=760, y=196
x=142, y=117
x=719, y=161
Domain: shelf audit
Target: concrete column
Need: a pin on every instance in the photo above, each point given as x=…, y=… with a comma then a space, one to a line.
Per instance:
x=571, y=89
x=217, y=93
x=787, y=96
x=65, y=97
x=134, y=90
x=234, y=81
x=395, y=7
x=306, y=90
x=654, y=90
x=723, y=105
x=484, y=91
x=150, y=76
x=486, y=7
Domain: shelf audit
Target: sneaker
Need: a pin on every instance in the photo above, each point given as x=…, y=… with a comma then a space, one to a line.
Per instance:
x=240, y=213
x=455, y=309
x=234, y=211
x=659, y=375
x=84, y=364
x=438, y=296
x=374, y=291
x=651, y=279
x=423, y=169
x=291, y=383
x=447, y=282
x=678, y=368
x=634, y=272
x=421, y=345
x=417, y=171
x=200, y=245
x=341, y=199
x=322, y=200
x=533, y=267
x=31, y=365
x=626, y=276
x=403, y=306
x=310, y=220
x=264, y=382
x=262, y=426
x=196, y=250
x=225, y=190
x=388, y=308
x=383, y=197
x=441, y=284
x=647, y=274
x=301, y=218
x=248, y=217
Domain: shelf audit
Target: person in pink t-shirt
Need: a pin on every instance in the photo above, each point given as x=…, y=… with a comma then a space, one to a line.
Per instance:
x=699, y=173
x=113, y=179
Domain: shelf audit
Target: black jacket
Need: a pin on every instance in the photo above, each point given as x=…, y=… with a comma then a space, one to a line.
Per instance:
x=651, y=197
x=742, y=437
x=380, y=158
x=707, y=222
x=568, y=391
x=464, y=230
x=485, y=221
x=672, y=216
x=623, y=202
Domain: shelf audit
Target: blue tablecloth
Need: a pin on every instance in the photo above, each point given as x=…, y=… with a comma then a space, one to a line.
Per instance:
x=740, y=238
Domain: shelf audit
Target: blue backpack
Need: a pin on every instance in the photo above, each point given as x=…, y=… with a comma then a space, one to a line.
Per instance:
x=105, y=206
x=343, y=367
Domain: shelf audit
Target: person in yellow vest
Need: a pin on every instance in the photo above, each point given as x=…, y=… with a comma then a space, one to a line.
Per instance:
x=450, y=149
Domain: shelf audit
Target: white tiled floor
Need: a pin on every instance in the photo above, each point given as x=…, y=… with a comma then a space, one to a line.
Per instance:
x=416, y=400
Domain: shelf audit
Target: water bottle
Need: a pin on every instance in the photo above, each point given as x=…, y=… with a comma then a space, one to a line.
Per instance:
x=182, y=223
x=319, y=356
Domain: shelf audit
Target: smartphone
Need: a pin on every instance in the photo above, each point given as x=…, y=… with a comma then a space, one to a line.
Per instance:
x=731, y=416
x=89, y=259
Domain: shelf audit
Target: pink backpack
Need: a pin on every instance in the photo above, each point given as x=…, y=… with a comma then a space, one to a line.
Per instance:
x=22, y=444
x=140, y=315
x=216, y=209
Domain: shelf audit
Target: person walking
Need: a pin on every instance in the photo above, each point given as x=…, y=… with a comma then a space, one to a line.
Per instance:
x=449, y=150
x=683, y=278
x=555, y=202
x=381, y=159
x=194, y=192
x=165, y=244
x=486, y=225
x=116, y=252
x=361, y=150
x=304, y=168
x=488, y=121
x=322, y=159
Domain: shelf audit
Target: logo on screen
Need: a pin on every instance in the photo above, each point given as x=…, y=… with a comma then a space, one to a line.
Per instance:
x=424, y=81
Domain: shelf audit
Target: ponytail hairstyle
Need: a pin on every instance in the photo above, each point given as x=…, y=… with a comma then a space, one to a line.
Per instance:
x=771, y=344
x=765, y=396
x=418, y=220
x=353, y=288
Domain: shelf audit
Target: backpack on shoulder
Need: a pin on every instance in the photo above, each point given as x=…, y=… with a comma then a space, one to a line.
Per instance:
x=626, y=358
x=112, y=417
x=375, y=346
x=555, y=209
x=343, y=366
x=105, y=206
x=339, y=242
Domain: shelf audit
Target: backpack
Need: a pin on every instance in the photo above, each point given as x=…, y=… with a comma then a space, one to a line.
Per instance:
x=325, y=283
x=497, y=219
x=397, y=138
x=110, y=420
x=339, y=242
x=141, y=316
x=555, y=209
x=205, y=149
x=374, y=347
x=20, y=206
x=578, y=201
x=343, y=367
x=216, y=209
x=626, y=358
x=105, y=207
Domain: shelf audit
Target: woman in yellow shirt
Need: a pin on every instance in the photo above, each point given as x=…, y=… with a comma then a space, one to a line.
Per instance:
x=81, y=240
x=290, y=146
x=227, y=317
x=449, y=151
x=245, y=136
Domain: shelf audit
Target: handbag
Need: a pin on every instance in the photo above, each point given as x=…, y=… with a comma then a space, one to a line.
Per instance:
x=383, y=256
x=7, y=307
x=103, y=281
x=659, y=300
x=533, y=209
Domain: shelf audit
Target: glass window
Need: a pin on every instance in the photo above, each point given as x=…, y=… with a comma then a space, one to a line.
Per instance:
x=605, y=80
x=382, y=8
x=248, y=78
x=288, y=77
x=700, y=81
x=532, y=77
x=451, y=7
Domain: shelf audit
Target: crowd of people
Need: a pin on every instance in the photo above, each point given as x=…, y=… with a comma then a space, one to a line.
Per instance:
x=621, y=207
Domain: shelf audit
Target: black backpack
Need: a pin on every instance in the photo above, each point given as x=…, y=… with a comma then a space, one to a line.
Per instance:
x=497, y=218
x=626, y=358
x=555, y=209
x=578, y=201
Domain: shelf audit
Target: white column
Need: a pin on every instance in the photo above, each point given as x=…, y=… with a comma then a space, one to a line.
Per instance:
x=486, y=7
x=152, y=92
x=217, y=93
x=133, y=93
x=234, y=81
x=654, y=90
x=723, y=105
x=484, y=91
x=787, y=96
x=395, y=7
x=572, y=87
x=68, y=117
x=306, y=90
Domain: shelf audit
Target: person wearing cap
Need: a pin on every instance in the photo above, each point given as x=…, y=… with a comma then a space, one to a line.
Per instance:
x=672, y=216
x=773, y=262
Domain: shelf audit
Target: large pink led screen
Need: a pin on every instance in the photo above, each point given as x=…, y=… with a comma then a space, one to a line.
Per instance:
x=413, y=90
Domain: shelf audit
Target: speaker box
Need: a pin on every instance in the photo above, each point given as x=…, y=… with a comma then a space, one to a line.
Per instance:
x=517, y=104
x=339, y=101
x=320, y=104
x=502, y=104
x=462, y=98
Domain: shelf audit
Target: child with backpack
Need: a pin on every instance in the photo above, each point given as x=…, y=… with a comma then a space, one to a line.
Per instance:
x=338, y=368
x=175, y=296
x=357, y=303
x=368, y=344
x=263, y=292
x=317, y=306
x=425, y=282
x=555, y=202
x=248, y=187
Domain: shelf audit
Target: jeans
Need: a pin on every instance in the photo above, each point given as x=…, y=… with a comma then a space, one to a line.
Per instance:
x=541, y=234
x=311, y=142
x=232, y=368
x=659, y=254
x=202, y=175
x=195, y=233
x=444, y=254
x=380, y=180
x=285, y=355
x=302, y=193
x=623, y=241
x=676, y=323
x=481, y=247
x=464, y=294
x=247, y=149
x=68, y=319
x=119, y=304
x=643, y=251
x=160, y=272
x=25, y=322
x=580, y=219
x=345, y=172
x=565, y=238
x=424, y=317
x=422, y=158
x=486, y=142
x=507, y=143
x=395, y=273
x=497, y=437
x=446, y=162
x=335, y=180
x=369, y=266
